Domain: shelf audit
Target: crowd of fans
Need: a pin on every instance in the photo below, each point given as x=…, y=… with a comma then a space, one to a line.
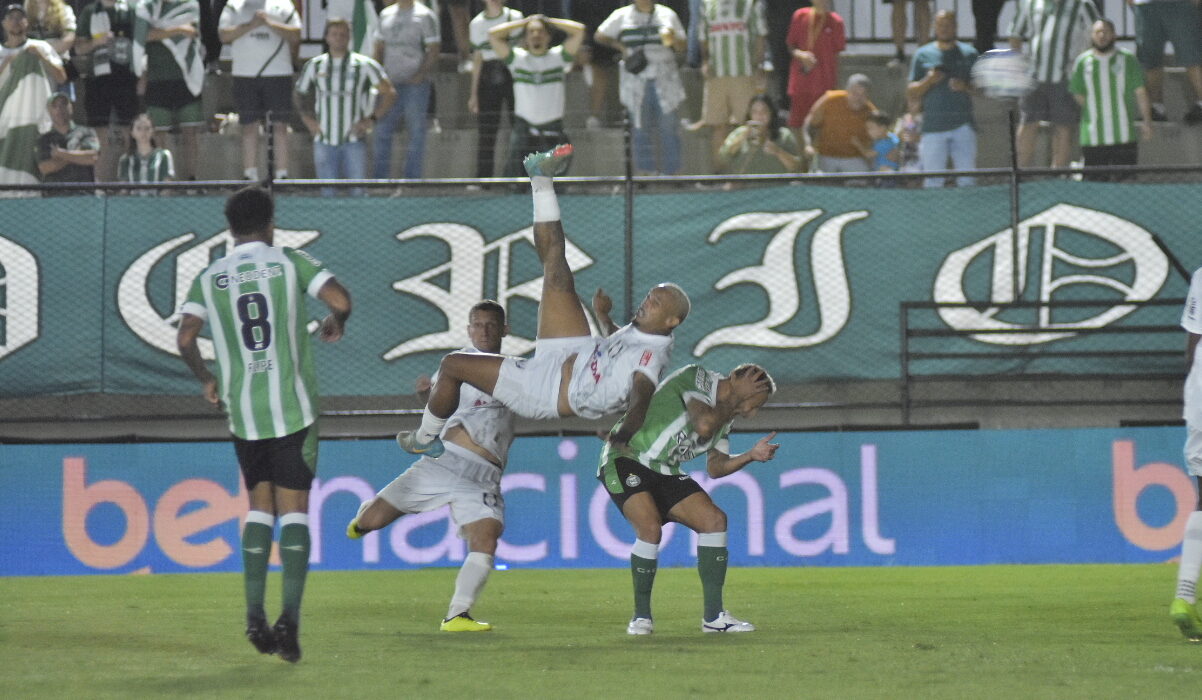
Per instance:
x=769, y=68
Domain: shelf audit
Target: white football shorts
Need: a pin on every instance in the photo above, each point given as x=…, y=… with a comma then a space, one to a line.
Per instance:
x=530, y=386
x=467, y=481
x=1193, y=451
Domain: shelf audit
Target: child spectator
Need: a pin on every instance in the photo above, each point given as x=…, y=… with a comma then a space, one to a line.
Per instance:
x=145, y=161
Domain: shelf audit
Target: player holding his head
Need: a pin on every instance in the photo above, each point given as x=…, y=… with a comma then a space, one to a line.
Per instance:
x=467, y=476
x=1184, y=610
x=689, y=415
x=266, y=382
x=572, y=373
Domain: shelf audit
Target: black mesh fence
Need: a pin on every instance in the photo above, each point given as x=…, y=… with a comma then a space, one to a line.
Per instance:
x=806, y=275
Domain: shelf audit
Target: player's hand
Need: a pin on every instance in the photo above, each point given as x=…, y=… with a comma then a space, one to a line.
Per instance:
x=423, y=384
x=602, y=304
x=764, y=449
x=210, y=392
x=331, y=329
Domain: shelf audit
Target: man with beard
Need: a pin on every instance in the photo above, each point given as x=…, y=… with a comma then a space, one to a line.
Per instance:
x=1108, y=82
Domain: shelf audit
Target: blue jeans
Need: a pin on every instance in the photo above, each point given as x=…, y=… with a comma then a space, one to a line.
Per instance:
x=960, y=144
x=667, y=133
x=345, y=162
x=412, y=101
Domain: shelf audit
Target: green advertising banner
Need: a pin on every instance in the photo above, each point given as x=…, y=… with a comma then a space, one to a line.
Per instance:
x=805, y=280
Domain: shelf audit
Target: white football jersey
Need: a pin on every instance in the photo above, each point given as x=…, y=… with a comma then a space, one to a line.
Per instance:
x=1191, y=321
x=602, y=379
x=488, y=421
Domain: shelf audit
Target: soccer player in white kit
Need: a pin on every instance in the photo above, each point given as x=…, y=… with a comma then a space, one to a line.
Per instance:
x=572, y=372
x=1184, y=610
x=467, y=476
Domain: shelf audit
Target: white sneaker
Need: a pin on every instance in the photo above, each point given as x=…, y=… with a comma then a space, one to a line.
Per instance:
x=592, y=122
x=640, y=625
x=725, y=622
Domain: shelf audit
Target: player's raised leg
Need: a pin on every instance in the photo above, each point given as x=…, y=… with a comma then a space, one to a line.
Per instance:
x=457, y=368
x=559, y=312
x=698, y=513
x=482, y=536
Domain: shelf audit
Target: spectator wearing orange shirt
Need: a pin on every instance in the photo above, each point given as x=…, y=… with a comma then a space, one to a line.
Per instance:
x=837, y=121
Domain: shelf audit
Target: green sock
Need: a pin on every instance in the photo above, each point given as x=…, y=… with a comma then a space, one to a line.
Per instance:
x=256, y=549
x=643, y=572
x=294, y=554
x=711, y=565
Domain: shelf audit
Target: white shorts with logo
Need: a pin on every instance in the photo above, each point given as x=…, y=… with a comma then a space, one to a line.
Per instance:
x=1193, y=451
x=467, y=481
x=530, y=386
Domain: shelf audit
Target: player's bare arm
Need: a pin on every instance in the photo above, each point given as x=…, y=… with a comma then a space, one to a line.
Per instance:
x=603, y=306
x=338, y=300
x=189, y=331
x=719, y=464
x=641, y=391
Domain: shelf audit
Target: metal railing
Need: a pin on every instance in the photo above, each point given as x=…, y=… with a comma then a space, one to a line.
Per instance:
x=1148, y=363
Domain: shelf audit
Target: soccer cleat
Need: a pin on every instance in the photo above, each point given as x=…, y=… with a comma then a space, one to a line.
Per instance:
x=352, y=528
x=640, y=625
x=260, y=635
x=464, y=623
x=725, y=622
x=408, y=441
x=287, y=642
x=1186, y=617
x=548, y=163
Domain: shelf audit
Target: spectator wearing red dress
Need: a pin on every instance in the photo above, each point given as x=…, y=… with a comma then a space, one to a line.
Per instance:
x=816, y=37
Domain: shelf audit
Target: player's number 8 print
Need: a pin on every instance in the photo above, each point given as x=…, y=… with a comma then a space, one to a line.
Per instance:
x=256, y=328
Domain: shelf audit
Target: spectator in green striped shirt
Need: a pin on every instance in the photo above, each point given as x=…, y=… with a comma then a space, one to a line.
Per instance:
x=1108, y=82
x=732, y=43
x=145, y=161
x=1058, y=30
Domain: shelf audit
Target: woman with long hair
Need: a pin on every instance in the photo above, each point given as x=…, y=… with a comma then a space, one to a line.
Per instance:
x=762, y=145
x=53, y=21
x=145, y=161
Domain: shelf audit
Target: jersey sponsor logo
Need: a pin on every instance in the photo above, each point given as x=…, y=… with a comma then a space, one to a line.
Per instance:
x=704, y=382
x=455, y=285
x=1078, y=242
x=223, y=280
x=138, y=300
x=645, y=359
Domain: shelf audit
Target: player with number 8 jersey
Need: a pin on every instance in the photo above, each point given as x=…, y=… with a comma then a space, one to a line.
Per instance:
x=252, y=297
x=252, y=301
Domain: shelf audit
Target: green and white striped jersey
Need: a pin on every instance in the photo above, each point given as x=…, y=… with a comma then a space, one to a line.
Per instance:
x=1108, y=84
x=1058, y=31
x=345, y=92
x=156, y=166
x=252, y=300
x=667, y=438
x=730, y=29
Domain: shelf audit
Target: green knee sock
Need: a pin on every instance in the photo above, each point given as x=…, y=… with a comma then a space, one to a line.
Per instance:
x=711, y=566
x=256, y=549
x=294, y=554
x=643, y=572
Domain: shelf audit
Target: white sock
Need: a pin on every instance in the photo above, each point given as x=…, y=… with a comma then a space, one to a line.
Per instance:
x=431, y=426
x=711, y=539
x=546, y=206
x=468, y=584
x=645, y=550
x=1191, y=558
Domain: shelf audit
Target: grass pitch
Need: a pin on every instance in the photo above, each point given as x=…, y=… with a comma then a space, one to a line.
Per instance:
x=954, y=632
